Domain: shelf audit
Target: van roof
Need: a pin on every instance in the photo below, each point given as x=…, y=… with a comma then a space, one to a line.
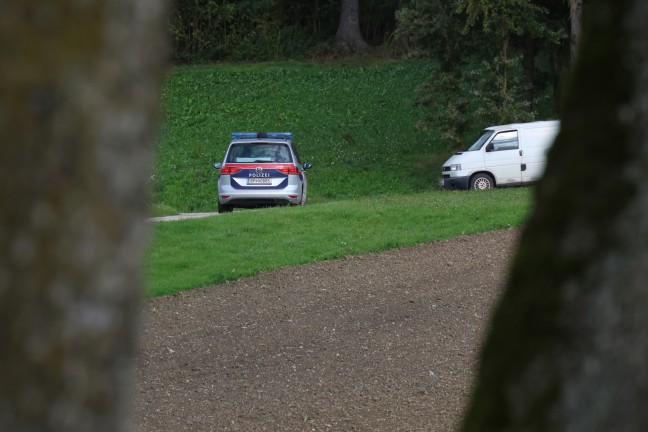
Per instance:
x=530, y=125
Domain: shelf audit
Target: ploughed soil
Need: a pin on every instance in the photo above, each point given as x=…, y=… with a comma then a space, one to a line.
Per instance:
x=378, y=342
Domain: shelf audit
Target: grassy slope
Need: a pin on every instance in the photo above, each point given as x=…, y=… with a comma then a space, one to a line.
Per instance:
x=373, y=185
x=195, y=253
x=355, y=123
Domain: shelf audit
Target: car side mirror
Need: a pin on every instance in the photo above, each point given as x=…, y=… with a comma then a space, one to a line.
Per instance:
x=307, y=165
x=490, y=147
x=218, y=165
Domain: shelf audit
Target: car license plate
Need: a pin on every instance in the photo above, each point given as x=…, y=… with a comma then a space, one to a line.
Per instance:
x=259, y=181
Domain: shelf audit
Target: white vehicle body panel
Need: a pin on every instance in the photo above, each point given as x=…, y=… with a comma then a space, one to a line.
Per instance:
x=513, y=154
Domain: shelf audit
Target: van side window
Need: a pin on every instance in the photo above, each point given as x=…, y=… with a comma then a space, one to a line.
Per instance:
x=505, y=141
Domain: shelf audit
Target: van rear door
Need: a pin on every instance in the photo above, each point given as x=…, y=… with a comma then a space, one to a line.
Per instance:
x=536, y=143
x=502, y=157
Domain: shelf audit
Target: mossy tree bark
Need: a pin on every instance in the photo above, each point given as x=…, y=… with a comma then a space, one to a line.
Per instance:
x=79, y=88
x=568, y=346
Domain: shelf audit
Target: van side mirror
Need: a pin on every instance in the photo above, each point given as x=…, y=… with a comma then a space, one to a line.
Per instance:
x=490, y=147
x=307, y=165
x=218, y=165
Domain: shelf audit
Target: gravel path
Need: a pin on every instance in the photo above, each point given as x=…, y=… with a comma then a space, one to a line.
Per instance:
x=181, y=216
x=379, y=342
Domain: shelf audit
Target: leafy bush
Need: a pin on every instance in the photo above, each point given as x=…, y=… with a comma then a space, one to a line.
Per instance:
x=461, y=101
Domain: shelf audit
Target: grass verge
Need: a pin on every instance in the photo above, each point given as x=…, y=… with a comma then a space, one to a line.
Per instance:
x=194, y=253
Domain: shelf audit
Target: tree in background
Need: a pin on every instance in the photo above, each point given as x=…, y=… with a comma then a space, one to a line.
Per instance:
x=575, y=20
x=489, y=71
x=261, y=30
x=79, y=85
x=568, y=345
x=513, y=24
x=249, y=30
x=348, y=37
x=433, y=28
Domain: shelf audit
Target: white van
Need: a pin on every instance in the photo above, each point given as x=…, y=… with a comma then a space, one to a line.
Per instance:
x=504, y=155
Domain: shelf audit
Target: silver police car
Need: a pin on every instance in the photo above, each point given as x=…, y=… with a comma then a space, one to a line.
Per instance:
x=261, y=169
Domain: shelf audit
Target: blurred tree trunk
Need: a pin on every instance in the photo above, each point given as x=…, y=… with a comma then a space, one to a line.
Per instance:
x=348, y=37
x=568, y=345
x=79, y=86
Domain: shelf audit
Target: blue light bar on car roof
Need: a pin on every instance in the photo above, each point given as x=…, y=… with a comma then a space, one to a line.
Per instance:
x=253, y=135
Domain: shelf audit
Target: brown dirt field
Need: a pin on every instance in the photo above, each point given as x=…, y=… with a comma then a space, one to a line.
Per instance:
x=378, y=342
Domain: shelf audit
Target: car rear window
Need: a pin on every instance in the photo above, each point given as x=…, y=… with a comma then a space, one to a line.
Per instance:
x=259, y=153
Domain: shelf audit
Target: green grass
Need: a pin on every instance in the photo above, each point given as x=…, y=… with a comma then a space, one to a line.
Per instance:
x=373, y=185
x=354, y=121
x=162, y=210
x=193, y=253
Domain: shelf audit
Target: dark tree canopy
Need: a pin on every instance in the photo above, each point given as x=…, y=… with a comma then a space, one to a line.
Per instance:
x=259, y=30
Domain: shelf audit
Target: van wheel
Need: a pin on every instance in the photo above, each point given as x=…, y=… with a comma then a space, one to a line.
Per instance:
x=224, y=208
x=481, y=182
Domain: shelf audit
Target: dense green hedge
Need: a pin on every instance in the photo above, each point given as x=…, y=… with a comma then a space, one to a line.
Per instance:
x=260, y=30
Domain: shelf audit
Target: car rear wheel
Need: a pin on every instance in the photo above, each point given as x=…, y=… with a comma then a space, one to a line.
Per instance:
x=304, y=198
x=224, y=208
x=481, y=182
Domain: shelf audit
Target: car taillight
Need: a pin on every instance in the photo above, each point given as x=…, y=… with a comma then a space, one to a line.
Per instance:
x=288, y=170
x=227, y=170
